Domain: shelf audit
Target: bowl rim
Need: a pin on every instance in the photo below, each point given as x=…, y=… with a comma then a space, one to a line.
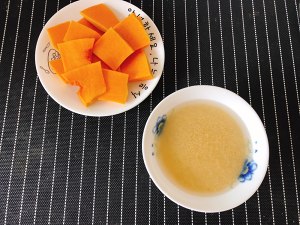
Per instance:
x=176, y=199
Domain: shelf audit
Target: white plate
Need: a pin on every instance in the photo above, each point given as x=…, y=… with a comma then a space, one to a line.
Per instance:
x=258, y=144
x=65, y=94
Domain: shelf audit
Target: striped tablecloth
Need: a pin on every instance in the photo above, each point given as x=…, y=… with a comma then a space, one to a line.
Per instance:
x=57, y=167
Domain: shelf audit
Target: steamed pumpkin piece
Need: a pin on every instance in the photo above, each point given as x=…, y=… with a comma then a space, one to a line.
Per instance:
x=78, y=31
x=89, y=25
x=132, y=31
x=56, y=33
x=137, y=67
x=90, y=80
x=57, y=66
x=96, y=59
x=116, y=86
x=100, y=16
x=76, y=53
x=112, y=49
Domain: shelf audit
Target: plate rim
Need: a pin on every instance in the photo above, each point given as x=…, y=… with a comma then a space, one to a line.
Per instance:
x=98, y=113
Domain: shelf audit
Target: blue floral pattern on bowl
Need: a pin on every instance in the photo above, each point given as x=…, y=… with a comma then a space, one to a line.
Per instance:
x=157, y=129
x=248, y=169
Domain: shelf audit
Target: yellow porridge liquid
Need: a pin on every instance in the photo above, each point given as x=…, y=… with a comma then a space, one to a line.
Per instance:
x=202, y=147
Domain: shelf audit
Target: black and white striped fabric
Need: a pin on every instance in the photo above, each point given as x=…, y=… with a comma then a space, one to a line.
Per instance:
x=57, y=167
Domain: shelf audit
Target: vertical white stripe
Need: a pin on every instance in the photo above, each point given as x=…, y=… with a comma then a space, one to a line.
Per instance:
x=57, y=5
x=43, y=137
x=32, y=114
x=178, y=215
x=136, y=163
x=28, y=149
x=295, y=76
x=81, y=170
x=222, y=44
x=150, y=181
x=123, y=166
x=246, y=213
x=246, y=53
x=149, y=204
x=235, y=70
x=45, y=11
x=233, y=47
x=192, y=217
x=205, y=218
x=163, y=75
x=109, y=167
x=4, y=29
x=261, y=93
x=271, y=194
x=258, y=206
x=198, y=43
x=271, y=74
x=54, y=165
x=223, y=63
x=248, y=77
x=68, y=169
x=96, y=169
x=41, y=160
x=55, y=156
x=287, y=111
x=210, y=46
x=186, y=45
x=297, y=13
x=10, y=78
x=175, y=51
x=258, y=66
x=164, y=209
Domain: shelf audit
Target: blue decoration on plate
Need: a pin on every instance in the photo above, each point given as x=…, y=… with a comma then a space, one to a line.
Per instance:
x=157, y=129
x=248, y=169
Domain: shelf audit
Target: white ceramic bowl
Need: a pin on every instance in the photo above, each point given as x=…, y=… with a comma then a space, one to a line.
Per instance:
x=257, y=162
x=65, y=94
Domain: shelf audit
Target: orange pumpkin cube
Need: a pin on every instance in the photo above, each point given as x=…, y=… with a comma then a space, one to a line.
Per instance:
x=56, y=33
x=78, y=31
x=76, y=53
x=116, y=86
x=58, y=67
x=137, y=67
x=90, y=80
x=132, y=31
x=112, y=49
x=100, y=16
x=96, y=59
